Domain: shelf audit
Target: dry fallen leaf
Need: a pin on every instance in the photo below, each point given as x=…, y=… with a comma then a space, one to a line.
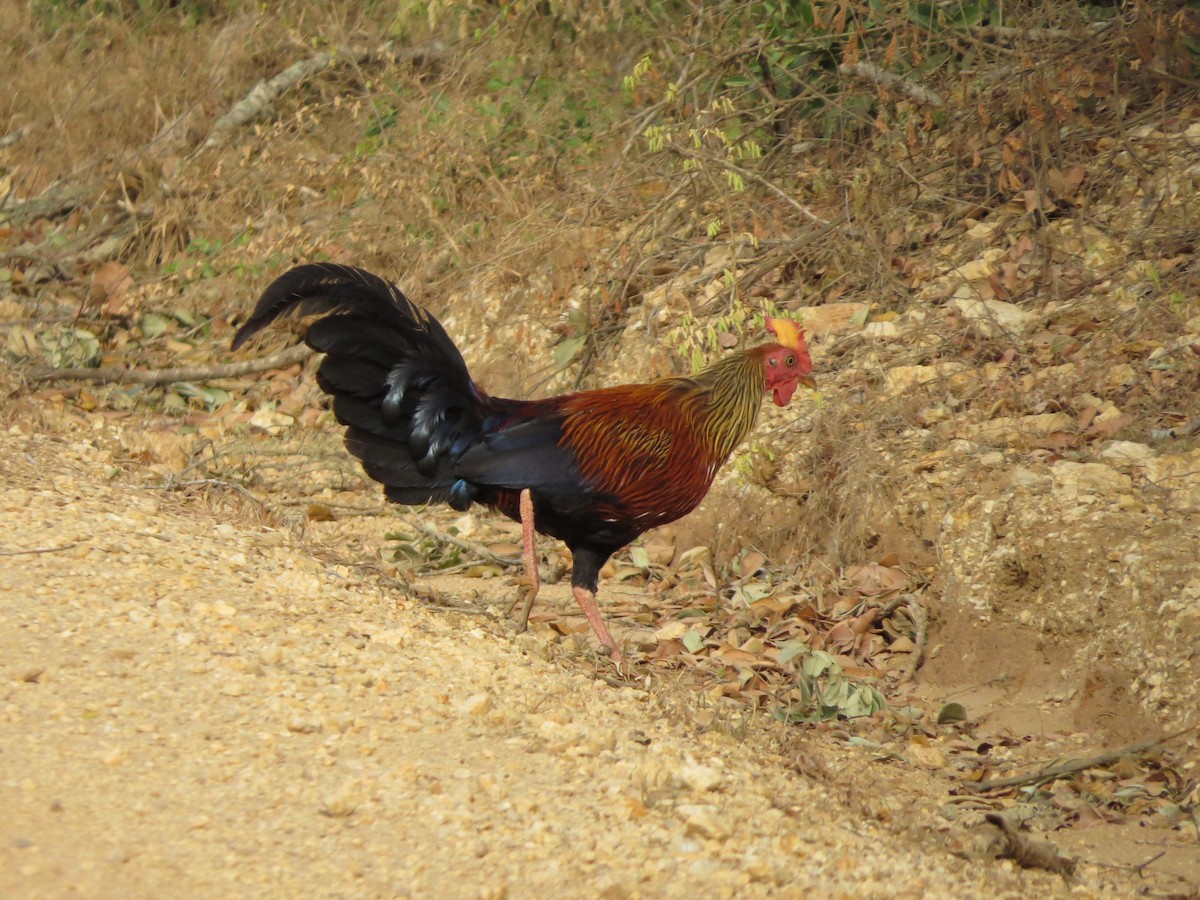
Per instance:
x=110, y=287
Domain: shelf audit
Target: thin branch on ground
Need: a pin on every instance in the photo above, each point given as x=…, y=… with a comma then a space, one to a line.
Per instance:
x=1140, y=868
x=263, y=94
x=37, y=550
x=894, y=82
x=1078, y=765
x=920, y=619
x=470, y=546
x=172, y=484
x=756, y=178
x=111, y=375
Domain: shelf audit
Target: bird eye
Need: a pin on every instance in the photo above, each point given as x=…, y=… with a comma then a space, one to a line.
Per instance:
x=790, y=361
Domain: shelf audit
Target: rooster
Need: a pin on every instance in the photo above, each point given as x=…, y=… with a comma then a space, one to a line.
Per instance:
x=594, y=469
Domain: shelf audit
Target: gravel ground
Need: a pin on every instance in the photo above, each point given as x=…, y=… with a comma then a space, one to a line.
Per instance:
x=202, y=707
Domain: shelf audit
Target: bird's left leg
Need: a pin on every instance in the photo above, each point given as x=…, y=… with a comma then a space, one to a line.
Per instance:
x=587, y=602
x=531, y=582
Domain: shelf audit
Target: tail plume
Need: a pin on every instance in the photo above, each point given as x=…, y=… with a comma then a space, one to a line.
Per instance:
x=396, y=378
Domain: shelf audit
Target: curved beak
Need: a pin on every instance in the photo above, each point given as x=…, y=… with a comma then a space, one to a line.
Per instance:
x=808, y=381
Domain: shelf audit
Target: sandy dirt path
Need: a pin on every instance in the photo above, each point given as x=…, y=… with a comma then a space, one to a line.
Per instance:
x=202, y=708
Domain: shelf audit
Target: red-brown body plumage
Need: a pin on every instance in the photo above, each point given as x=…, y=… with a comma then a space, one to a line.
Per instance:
x=595, y=468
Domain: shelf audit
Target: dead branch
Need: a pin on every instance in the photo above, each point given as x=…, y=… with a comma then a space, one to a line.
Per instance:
x=1078, y=765
x=871, y=72
x=470, y=546
x=38, y=550
x=263, y=94
x=1046, y=34
x=173, y=484
x=921, y=623
x=756, y=178
x=1139, y=869
x=1029, y=853
x=112, y=375
x=56, y=201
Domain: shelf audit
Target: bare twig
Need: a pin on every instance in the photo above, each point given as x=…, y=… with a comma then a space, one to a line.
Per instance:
x=1078, y=765
x=1048, y=34
x=39, y=550
x=263, y=94
x=872, y=72
x=173, y=484
x=921, y=622
x=53, y=202
x=184, y=373
x=756, y=178
x=1140, y=868
x=470, y=546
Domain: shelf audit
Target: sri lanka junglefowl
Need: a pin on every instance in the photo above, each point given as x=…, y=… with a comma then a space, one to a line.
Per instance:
x=594, y=469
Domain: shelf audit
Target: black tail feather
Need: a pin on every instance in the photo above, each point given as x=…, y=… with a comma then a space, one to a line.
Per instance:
x=395, y=376
x=327, y=288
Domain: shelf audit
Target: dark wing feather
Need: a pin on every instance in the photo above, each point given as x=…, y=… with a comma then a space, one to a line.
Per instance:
x=527, y=452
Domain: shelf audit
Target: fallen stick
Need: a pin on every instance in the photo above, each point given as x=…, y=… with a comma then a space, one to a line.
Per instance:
x=920, y=619
x=263, y=94
x=1077, y=765
x=112, y=375
x=470, y=546
x=872, y=72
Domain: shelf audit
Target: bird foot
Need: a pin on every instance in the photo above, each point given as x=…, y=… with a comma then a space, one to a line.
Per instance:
x=587, y=602
x=526, y=593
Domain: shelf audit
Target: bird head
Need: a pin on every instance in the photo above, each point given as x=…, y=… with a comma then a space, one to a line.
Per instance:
x=787, y=364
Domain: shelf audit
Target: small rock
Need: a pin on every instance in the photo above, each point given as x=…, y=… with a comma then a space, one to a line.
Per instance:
x=925, y=757
x=341, y=802
x=883, y=331
x=270, y=421
x=820, y=320
x=32, y=674
x=702, y=821
x=1011, y=429
x=270, y=655
x=902, y=379
x=475, y=705
x=699, y=778
x=1179, y=475
x=1072, y=479
x=617, y=890
x=994, y=317
x=1125, y=452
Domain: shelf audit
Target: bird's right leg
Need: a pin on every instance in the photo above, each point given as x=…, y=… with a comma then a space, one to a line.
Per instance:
x=531, y=582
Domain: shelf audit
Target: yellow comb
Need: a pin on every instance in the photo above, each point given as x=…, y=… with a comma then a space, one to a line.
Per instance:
x=788, y=332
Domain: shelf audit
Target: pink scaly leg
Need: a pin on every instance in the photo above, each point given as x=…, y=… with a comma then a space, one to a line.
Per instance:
x=587, y=602
x=531, y=582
